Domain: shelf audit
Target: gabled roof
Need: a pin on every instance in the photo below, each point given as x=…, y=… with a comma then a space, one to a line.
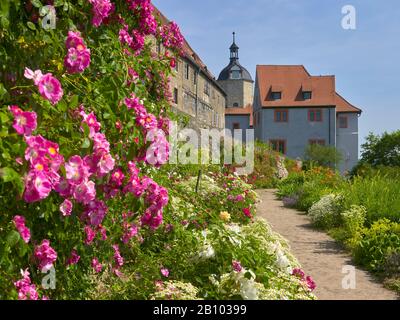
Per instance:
x=248, y=110
x=293, y=80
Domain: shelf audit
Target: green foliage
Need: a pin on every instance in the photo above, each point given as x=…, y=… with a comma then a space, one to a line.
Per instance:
x=380, y=195
x=382, y=150
x=266, y=175
x=379, y=242
x=324, y=156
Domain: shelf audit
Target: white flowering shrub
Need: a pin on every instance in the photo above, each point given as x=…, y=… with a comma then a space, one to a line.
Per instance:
x=325, y=213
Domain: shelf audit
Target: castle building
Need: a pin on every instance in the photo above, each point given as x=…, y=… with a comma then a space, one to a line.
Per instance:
x=238, y=85
x=293, y=109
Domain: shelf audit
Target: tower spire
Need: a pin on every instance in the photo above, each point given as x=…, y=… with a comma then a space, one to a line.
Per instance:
x=234, y=49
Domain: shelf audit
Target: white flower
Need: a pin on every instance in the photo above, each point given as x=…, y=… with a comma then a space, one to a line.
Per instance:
x=282, y=261
x=207, y=252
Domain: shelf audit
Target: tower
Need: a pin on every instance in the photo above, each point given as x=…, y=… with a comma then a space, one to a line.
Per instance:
x=236, y=80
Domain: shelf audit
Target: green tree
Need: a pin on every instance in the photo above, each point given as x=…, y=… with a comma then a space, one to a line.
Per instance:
x=382, y=150
x=325, y=156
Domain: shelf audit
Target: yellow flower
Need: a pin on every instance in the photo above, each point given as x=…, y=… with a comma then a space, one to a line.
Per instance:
x=225, y=216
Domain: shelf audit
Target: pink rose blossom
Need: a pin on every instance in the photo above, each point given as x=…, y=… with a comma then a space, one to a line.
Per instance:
x=25, y=233
x=96, y=265
x=101, y=10
x=85, y=192
x=76, y=61
x=247, y=212
x=50, y=88
x=24, y=122
x=119, y=260
x=74, y=258
x=165, y=272
x=35, y=76
x=310, y=283
x=74, y=40
x=37, y=187
x=26, y=290
x=117, y=177
x=237, y=267
x=95, y=212
x=45, y=255
x=90, y=235
x=76, y=170
x=66, y=208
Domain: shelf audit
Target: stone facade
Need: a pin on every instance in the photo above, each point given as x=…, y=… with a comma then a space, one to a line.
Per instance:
x=239, y=92
x=198, y=95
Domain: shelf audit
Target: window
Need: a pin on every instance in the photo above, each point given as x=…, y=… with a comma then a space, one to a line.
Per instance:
x=307, y=95
x=194, y=77
x=343, y=123
x=317, y=141
x=187, y=71
x=207, y=88
x=315, y=115
x=236, y=105
x=236, y=126
x=236, y=74
x=276, y=95
x=281, y=116
x=278, y=146
x=175, y=95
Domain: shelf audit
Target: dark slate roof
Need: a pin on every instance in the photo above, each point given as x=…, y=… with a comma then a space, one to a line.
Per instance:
x=225, y=74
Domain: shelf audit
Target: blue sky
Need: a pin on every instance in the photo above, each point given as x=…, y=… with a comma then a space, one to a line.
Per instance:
x=366, y=61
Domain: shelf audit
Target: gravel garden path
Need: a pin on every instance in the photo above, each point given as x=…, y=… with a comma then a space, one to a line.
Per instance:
x=320, y=256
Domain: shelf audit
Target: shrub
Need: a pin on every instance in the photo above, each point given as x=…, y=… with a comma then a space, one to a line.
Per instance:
x=353, y=223
x=326, y=212
x=378, y=243
x=324, y=156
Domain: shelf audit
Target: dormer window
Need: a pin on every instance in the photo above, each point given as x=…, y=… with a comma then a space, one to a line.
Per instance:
x=236, y=74
x=307, y=95
x=276, y=95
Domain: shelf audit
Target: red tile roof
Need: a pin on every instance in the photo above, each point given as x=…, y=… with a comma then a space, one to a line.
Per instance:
x=248, y=110
x=343, y=106
x=291, y=81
